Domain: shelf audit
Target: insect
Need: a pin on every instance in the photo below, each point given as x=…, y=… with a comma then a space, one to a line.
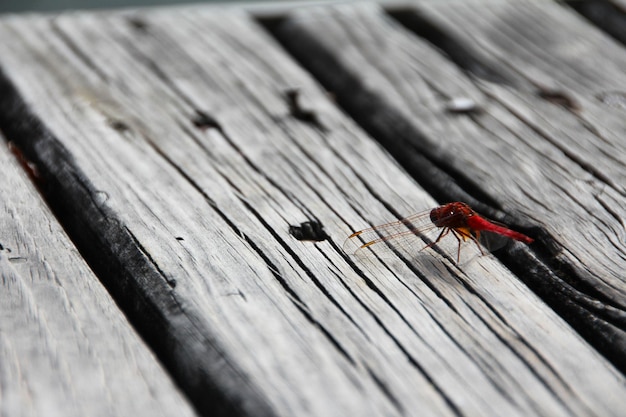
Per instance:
x=431, y=226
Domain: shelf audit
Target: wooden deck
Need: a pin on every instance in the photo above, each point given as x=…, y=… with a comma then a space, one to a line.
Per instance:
x=158, y=165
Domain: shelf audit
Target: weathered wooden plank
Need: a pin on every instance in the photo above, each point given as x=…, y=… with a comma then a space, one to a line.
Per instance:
x=550, y=47
x=506, y=151
x=66, y=348
x=199, y=213
x=553, y=51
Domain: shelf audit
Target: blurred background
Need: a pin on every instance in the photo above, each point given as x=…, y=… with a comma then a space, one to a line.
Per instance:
x=7, y=6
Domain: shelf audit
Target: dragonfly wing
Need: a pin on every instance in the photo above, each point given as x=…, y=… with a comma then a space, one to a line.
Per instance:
x=408, y=235
x=493, y=241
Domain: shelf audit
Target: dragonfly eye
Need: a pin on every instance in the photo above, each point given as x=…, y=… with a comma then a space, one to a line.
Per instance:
x=439, y=215
x=434, y=216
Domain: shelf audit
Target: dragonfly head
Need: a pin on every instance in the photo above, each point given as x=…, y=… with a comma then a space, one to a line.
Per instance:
x=451, y=215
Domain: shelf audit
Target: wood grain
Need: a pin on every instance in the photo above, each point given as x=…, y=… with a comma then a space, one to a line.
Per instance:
x=551, y=49
x=542, y=163
x=66, y=348
x=174, y=162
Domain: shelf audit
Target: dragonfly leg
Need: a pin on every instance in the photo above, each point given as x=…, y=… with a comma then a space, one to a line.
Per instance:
x=458, y=251
x=475, y=239
x=441, y=235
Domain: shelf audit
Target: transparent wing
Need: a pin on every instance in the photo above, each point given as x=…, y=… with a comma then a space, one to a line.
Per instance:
x=410, y=234
x=413, y=234
x=493, y=241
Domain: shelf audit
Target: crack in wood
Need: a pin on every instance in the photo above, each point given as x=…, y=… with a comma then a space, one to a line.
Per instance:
x=296, y=300
x=536, y=354
x=309, y=274
x=120, y=262
x=292, y=97
x=460, y=52
x=203, y=120
x=384, y=388
x=170, y=281
x=363, y=107
x=136, y=258
x=403, y=140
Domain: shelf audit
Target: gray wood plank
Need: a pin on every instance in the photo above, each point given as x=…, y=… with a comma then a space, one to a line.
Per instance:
x=66, y=348
x=514, y=151
x=550, y=47
x=200, y=216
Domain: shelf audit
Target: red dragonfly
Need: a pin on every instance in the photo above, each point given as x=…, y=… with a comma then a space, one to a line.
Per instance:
x=431, y=226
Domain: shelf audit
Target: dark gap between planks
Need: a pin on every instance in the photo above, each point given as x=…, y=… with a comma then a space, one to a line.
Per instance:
x=538, y=269
x=610, y=18
x=117, y=259
x=459, y=52
x=437, y=177
x=605, y=15
x=433, y=173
